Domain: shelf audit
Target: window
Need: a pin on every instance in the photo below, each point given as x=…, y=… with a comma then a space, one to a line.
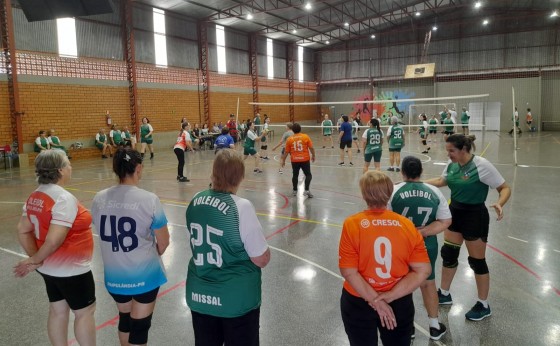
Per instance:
x=300, y=63
x=270, y=58
x=67, y=45
x=221, y=43
x=159, y=37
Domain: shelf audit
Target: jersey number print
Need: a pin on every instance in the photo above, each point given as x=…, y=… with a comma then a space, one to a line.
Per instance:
x=298, y=146
x=383, y=259
x=126, y=238
x=197, y=239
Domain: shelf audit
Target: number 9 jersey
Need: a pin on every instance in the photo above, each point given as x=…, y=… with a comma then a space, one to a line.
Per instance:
x=380, y=244
x=125, y=217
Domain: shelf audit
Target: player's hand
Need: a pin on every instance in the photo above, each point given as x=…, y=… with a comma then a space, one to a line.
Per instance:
x=499, y=210
x=25, y=267
x=312, y=158
x=283, y=164
x=385, y=312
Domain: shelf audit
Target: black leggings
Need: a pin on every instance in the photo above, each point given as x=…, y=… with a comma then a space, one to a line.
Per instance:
x=306, y=168
x=180, y=153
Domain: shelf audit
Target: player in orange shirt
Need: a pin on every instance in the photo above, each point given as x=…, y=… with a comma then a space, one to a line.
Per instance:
x=299, y=146
x=383, y=259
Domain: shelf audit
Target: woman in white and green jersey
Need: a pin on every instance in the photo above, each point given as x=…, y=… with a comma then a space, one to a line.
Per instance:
x=469, y=178
x=423, y=132
x=433, y=128
x=326, y=127
x=223, y=289
x=427, y=208
x=373, y=142
x=146, y=139
x=55, y=143
x=396, y=143
x=465, y=117
x=249, y=146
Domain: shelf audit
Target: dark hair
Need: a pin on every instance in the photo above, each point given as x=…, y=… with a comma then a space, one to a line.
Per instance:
x=460, y=141
x=225, y=130
x=125, y=162
x=249, y=123
x=296, y=128
x=375, y=123
x=411, y=167
x=345, y=118
x=142, y=120
x=528, y=109
x=423, y=116
x=41, y=132
x=48, y=164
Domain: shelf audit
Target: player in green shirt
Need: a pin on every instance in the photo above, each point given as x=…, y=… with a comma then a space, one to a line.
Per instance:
x=426, y=206
x=326, y=127
x=423, y=132
x=373, y=141
x=396, y=143
x=249, y=146
x=433, y=128
x=223, y=287
x=449, y=127
x=465, y=117
x=146, y=139
x=469, y=177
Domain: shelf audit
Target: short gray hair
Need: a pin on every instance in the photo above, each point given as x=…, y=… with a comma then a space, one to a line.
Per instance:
x=47, y=165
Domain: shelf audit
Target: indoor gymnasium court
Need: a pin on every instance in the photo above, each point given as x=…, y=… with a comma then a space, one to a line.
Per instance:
x=512, y=61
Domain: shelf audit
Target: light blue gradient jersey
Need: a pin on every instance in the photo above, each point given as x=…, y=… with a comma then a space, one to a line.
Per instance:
x=125, y=218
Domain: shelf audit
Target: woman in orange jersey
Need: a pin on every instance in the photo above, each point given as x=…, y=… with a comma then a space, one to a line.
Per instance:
x=298, y=147
x=383, y=260
x=184, y=142
x=55, y=232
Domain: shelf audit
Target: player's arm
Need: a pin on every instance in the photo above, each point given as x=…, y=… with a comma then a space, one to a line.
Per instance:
x=505, y=192
x=435, y=227
x=312, y=150
x=437, y=182
x=262, y=260
x=283, y=158
x=162, y=239
x=26, y=237
x=419, y=271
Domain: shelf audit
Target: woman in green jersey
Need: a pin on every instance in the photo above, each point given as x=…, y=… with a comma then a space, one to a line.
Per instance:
x=373, y=141
x=396, y=143
x=146, y=131
x=469, y=178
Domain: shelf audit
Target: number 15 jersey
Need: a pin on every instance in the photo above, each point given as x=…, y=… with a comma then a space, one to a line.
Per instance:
x=125, y=217
x=380, y=244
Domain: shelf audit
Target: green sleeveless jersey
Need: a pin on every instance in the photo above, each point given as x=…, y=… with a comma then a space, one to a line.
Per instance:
x=443, y=116
x=373, y=141
x=465, y=118
x=117, y=137
x=250, y=140
x=469, y=184
x=433, y=122
x=224, y=233
x=396, y=137
x=327, y=127
x=144, y=130
x=44, y=143
x=102, y=138
x=55, y=140
x=450, y=125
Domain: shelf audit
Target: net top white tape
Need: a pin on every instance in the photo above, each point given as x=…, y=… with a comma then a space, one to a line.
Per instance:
x=368, y=101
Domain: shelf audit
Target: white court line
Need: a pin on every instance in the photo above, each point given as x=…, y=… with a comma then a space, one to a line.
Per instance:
x=322, y=199
x=349, y=203
x=318, y=266
x=175, y=205
x=555, y=250
x=525, y=241
x=14, y=252
x=12, y=202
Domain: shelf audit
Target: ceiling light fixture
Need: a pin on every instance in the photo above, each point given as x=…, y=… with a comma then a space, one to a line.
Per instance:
x=372, y=36
x=328, y=42
x=346, y=24
x=434, y=28
x=554, y=14
x=308, y=6
x=294, y=31
x=485, y=22
x=478, y=4
x=417, y=13
x=249, y=16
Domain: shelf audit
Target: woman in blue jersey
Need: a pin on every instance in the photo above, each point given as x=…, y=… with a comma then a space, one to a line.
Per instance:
x=133, y=231
x=223, y=288
x=469, y=177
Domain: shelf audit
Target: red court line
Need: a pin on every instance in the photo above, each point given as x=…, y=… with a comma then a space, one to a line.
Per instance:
x=113, y=321
x=282, y=229
x=286, y=200
x=556, y=290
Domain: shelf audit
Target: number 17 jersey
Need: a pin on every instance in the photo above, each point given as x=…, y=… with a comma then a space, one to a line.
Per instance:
x=125, y=217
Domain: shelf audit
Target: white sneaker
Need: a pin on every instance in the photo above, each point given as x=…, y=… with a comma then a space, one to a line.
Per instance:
x=294, y=193
x=280, y=171
x=308, y=194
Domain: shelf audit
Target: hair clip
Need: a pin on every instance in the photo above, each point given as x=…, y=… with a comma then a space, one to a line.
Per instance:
x=126, y=158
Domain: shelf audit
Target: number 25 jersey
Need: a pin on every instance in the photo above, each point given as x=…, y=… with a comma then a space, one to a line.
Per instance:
x=125, y=217
x=380, y=244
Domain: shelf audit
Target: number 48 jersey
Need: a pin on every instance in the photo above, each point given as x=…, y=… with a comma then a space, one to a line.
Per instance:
x=125, y=217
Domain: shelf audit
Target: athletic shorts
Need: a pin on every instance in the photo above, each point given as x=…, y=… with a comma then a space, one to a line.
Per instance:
x=354, y=138
x=142, y=298
x=326, y=134
x=264, y=147
x=345, y=144
x=395, y=150
x=433, y=131
x=465, y=126
x=78, y=290
x=449, y=133
x=250, y=151
x=99, y=146
x=283, y=150
x=423, y=135
x=147, y=140
x=432, y=248
x=376, y=156
x=471, y=220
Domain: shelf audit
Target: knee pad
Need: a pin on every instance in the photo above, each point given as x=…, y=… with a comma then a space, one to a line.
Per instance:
x=124, y=322
x=478, y=265
x=139, y=330
x=449, y=255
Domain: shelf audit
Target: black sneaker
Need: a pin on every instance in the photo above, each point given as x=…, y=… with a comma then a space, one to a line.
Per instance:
x=397, y=169
x=391, y=169
x=183, y=179
x=308, y=194
x=436, y=334
x=478, y=312
x=358, y=151
x=341, y=163
x=351, y=164
x=425, y=152
x=444, y=299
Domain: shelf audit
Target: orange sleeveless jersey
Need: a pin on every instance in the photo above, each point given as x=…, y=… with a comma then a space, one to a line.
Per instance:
x=298, y=147
x=380, y=244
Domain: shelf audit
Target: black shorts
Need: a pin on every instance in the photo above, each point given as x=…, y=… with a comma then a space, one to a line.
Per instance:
x=142, y=298
x=345, y=144
x=361, y=322
x=449, y=133
x=264, y=147
x=78, y=290
x=237, y=331
x=471, y=220
x=433, y=131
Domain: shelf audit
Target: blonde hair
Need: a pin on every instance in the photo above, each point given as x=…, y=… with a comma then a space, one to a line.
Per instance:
x=228, y=170
x=376, y=188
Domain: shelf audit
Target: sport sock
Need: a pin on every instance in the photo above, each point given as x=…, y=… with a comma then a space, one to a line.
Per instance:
x=434, y=322
x=444, y=292
x=484, y=302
